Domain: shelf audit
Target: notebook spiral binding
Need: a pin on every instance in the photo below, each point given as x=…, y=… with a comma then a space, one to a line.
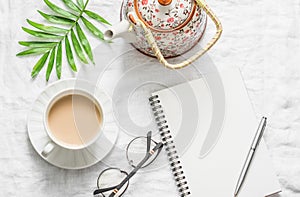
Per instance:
x=169, y=144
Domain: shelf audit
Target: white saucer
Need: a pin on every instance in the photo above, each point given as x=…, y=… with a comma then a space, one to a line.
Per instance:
x=65, y=158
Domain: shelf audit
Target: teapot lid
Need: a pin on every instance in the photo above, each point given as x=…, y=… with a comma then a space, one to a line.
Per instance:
x=165, y=15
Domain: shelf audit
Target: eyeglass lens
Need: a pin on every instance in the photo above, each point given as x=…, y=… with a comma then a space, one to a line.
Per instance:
x=137, y=149
x=111, y=178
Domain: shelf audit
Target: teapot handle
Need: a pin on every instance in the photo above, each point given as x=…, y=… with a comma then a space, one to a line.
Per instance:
x=160, y=57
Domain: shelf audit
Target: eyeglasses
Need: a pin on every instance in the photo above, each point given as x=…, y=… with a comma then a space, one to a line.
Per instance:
x=114, y=182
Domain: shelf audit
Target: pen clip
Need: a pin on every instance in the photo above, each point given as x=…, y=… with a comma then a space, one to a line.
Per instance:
x=259, y=133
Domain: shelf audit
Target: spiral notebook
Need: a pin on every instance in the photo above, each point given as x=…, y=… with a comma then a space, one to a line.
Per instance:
x=208, y=162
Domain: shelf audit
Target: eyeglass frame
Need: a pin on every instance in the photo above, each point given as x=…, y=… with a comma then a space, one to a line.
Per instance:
x=149, y=153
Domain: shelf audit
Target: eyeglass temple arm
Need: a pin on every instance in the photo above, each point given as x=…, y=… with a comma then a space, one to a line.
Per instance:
x=149, y=134
x=159, y=148
x=98, y=191
x=138, y=167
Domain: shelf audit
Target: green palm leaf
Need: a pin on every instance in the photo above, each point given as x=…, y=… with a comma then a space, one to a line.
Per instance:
x=59, y=10
x=41, y=34
x=50, y=29
x=58, y=36
x=58, y=60
x=93, y=29
x=96, y=17
x=78, y=48
x=34, y=51
x=39, y=65
x=80, y=3
x=57, y=19
x=72, y=5
x=84, y=42
x=50, y=64
x=69, y=54
x=38, y=44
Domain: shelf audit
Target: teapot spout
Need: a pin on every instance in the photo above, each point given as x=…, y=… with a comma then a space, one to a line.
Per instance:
x=120, y=30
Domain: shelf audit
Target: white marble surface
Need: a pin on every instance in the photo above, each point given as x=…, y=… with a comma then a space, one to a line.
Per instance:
x=261, y=37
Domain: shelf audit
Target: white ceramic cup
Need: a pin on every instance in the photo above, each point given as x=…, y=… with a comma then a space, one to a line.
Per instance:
x=54, y=142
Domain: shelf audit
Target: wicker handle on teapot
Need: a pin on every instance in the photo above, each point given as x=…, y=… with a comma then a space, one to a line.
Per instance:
x=160, y=57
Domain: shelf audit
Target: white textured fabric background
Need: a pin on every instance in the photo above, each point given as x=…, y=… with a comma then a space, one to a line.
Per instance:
x=261, y=37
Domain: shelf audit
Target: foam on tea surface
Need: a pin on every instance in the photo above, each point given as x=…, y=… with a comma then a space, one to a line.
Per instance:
x=74, y=120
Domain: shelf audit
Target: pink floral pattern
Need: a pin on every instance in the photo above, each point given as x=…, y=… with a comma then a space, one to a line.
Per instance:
x=165, y=18
x=144, y=2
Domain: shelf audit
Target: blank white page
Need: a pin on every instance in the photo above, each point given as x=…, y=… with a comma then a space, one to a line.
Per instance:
x=217, y=173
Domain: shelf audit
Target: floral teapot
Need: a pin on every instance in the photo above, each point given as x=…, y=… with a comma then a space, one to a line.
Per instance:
x=165, y=28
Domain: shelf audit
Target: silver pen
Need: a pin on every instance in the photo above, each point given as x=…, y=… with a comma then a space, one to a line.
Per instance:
x=256, y=140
